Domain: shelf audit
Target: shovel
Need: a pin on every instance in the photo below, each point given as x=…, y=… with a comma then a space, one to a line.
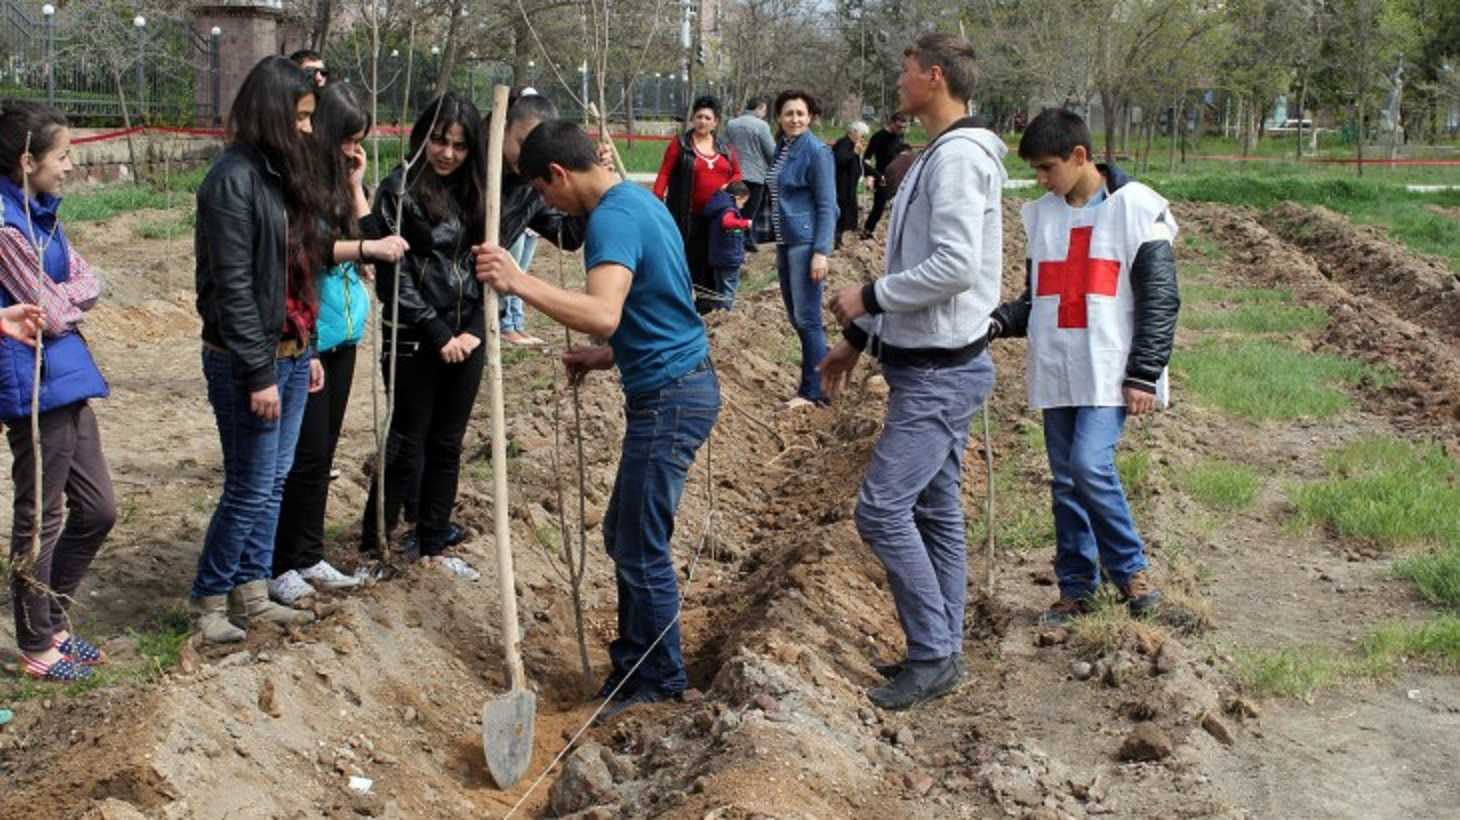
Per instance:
x=507, y=720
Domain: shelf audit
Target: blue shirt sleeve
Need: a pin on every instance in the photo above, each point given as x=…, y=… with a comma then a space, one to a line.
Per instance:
x=613, y=238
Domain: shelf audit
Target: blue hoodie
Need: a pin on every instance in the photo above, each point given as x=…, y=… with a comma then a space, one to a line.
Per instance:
x=727, y=248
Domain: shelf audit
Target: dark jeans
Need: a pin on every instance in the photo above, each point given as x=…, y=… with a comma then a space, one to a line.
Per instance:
x=433, y=402
x=300, y=539
x=910, y=506
x=73, y=470
x=665, y=428
x=257, y=456
x=880, y=198
x=753, y=211
x=802, y=298
x=697, y=254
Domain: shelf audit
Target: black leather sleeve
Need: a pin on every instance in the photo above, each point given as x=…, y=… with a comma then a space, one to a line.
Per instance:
x=227, y=212
x=565, y=231
x=1157, y=303
x=414, y=310
x=1012, y=318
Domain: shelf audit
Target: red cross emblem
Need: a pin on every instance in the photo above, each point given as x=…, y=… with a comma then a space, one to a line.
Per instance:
x=1076, y=276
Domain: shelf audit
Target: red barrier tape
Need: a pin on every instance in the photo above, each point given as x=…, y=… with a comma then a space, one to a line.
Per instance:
x=112, y=135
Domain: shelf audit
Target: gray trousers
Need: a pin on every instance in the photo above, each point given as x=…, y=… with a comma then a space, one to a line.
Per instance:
x=73, y=473
x=909, y=510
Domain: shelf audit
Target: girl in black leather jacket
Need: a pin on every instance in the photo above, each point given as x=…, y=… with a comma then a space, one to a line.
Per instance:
x=440, y=322
x=258, y=243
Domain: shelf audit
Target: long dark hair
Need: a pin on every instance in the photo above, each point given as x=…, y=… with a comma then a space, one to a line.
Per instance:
x=263, y=118
x=19, y=118
x=461, y=194
x=343, y=111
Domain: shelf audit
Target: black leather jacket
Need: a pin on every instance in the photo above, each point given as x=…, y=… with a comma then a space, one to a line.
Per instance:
x=523, y=208
x=239, y=242
x=440, y=296
x=1157, y=303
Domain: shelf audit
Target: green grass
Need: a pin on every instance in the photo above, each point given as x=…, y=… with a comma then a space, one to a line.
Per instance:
x=1388, y=491
x=1215, y=294
x=159, y=648
x=1262, y=379
x=1259, y=318
x=169, y=228
x=1134, y=467
x=1221, y=485
x=1299, y=672
x=1436, y=574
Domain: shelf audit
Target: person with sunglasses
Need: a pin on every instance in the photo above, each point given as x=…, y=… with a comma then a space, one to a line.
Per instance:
x=313, y=64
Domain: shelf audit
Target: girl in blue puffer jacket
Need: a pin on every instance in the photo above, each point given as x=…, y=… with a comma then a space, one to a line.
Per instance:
x=341, y=121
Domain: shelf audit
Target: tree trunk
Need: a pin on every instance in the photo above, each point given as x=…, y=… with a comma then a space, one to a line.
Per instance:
x=1302, y=103
x=1107, y=106
x=136, y=168
x=1178, y=112
x=324, y=13
x=629, y=109
x=448, y=53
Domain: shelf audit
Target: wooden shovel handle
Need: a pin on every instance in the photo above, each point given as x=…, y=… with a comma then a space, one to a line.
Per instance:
x=506, y=579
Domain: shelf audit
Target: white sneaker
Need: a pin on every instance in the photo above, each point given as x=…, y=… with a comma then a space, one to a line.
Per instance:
x=456, y=566
x=328, y=577
x=797, y=403
x=289, y=588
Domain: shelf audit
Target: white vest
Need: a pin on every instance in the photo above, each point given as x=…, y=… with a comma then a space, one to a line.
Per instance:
x=1082, y=316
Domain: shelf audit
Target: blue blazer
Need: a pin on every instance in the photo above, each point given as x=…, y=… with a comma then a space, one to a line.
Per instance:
x=806, y=195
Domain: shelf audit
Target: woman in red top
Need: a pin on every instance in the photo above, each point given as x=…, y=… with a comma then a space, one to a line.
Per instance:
x=695, y=167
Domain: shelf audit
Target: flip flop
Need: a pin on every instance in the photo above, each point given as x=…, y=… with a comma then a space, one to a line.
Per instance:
x=62, y=671
x=81, y=651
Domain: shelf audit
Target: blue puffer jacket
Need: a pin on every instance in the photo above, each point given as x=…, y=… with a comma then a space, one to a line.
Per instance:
x=344, y=305
x=68, y=373
x=727, y=248
x=806, y=194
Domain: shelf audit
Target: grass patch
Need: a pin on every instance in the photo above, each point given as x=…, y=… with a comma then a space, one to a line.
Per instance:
x=159, y=648
x=1435, y=643
x=1301, y=671
x=1134, y=467
x=1261, y=318
x=1436, y=574
x=1221, y=485
x=1261, y=379
x=1204, y=245
x=1109, y=626
x=1389, y=491
x=110, y=201
x=171, y=228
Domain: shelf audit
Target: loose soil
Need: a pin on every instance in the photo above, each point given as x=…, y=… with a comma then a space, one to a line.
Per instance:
x=785, y=610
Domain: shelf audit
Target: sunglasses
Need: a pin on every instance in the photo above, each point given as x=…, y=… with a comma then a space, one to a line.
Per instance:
x=317, y=72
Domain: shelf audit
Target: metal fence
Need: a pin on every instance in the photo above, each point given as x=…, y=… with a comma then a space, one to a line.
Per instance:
x=167, y=72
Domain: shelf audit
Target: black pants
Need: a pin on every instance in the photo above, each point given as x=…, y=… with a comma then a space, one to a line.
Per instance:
x=299, y=542
x=432, y=407
x=879, y=202
x=697, y=254
x=752, y=211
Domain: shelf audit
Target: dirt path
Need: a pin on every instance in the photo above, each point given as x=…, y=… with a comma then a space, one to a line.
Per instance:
x=786, y=612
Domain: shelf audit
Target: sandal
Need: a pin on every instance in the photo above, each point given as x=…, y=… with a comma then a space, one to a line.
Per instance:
x=62, y=671
x=81, y=651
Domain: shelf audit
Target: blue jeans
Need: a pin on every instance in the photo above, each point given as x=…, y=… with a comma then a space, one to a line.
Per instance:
x=802, y=298
x=1092, y=521
x=522, y=250
x=909, y=509
x=665, y=428
x=257, y=455
x=727, y=281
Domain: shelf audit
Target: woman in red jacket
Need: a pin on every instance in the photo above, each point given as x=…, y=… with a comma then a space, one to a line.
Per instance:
x=696, y=165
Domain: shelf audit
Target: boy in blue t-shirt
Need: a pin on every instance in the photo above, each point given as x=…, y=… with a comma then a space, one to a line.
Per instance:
x=638, y=297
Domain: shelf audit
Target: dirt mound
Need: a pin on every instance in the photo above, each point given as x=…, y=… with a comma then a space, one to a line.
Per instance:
x=1421, y=289
x=1366, y=285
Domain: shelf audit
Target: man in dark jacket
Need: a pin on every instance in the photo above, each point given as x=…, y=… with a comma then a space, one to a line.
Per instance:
x=847, y=154
x=884, y=146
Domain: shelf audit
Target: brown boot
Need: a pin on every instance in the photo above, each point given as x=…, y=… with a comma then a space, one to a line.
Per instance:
x=250, y=603
x=1064, y=611
x=210, y=621
x=1139, y=594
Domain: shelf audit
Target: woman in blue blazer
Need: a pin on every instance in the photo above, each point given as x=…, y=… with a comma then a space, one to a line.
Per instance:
x=802, y=185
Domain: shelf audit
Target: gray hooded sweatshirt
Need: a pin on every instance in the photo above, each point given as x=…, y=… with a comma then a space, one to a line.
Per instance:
x=944, y=247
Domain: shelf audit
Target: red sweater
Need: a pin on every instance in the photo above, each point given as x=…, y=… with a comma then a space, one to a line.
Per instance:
x=707, y=180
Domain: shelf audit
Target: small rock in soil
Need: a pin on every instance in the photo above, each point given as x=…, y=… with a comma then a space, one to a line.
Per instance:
x=918, y=783
x=767, y=704
x=1169, y=658
x=268, y=703
x=1242, y=709
x=1217, y=729
x=1053, y=637
x=1080, y=670
x=904, y=737
x=1146, y=743
x=585, y=782
x=692, y=696
x=409, y=715
x=868, y=716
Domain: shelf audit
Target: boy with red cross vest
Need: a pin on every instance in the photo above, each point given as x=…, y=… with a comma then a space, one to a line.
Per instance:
x=1100, y=314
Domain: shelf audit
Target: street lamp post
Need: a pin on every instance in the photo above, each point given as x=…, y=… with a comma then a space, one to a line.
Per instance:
x=50, y=12
x=658, y=94
x=140, y=23
x=217, y=73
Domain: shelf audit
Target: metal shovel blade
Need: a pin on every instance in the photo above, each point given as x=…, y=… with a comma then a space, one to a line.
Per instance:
x=507, y=722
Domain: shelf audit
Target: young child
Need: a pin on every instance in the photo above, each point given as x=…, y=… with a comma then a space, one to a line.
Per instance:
x=35, y=160
x=1100, y=313
x=727, y=239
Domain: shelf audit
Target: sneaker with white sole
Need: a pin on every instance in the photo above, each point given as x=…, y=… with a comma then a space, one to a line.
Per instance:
x=289, y=588
x=328, y=577
x=456, y=566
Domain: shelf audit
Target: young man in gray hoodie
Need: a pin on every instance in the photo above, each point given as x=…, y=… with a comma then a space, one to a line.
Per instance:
x=926, y=320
